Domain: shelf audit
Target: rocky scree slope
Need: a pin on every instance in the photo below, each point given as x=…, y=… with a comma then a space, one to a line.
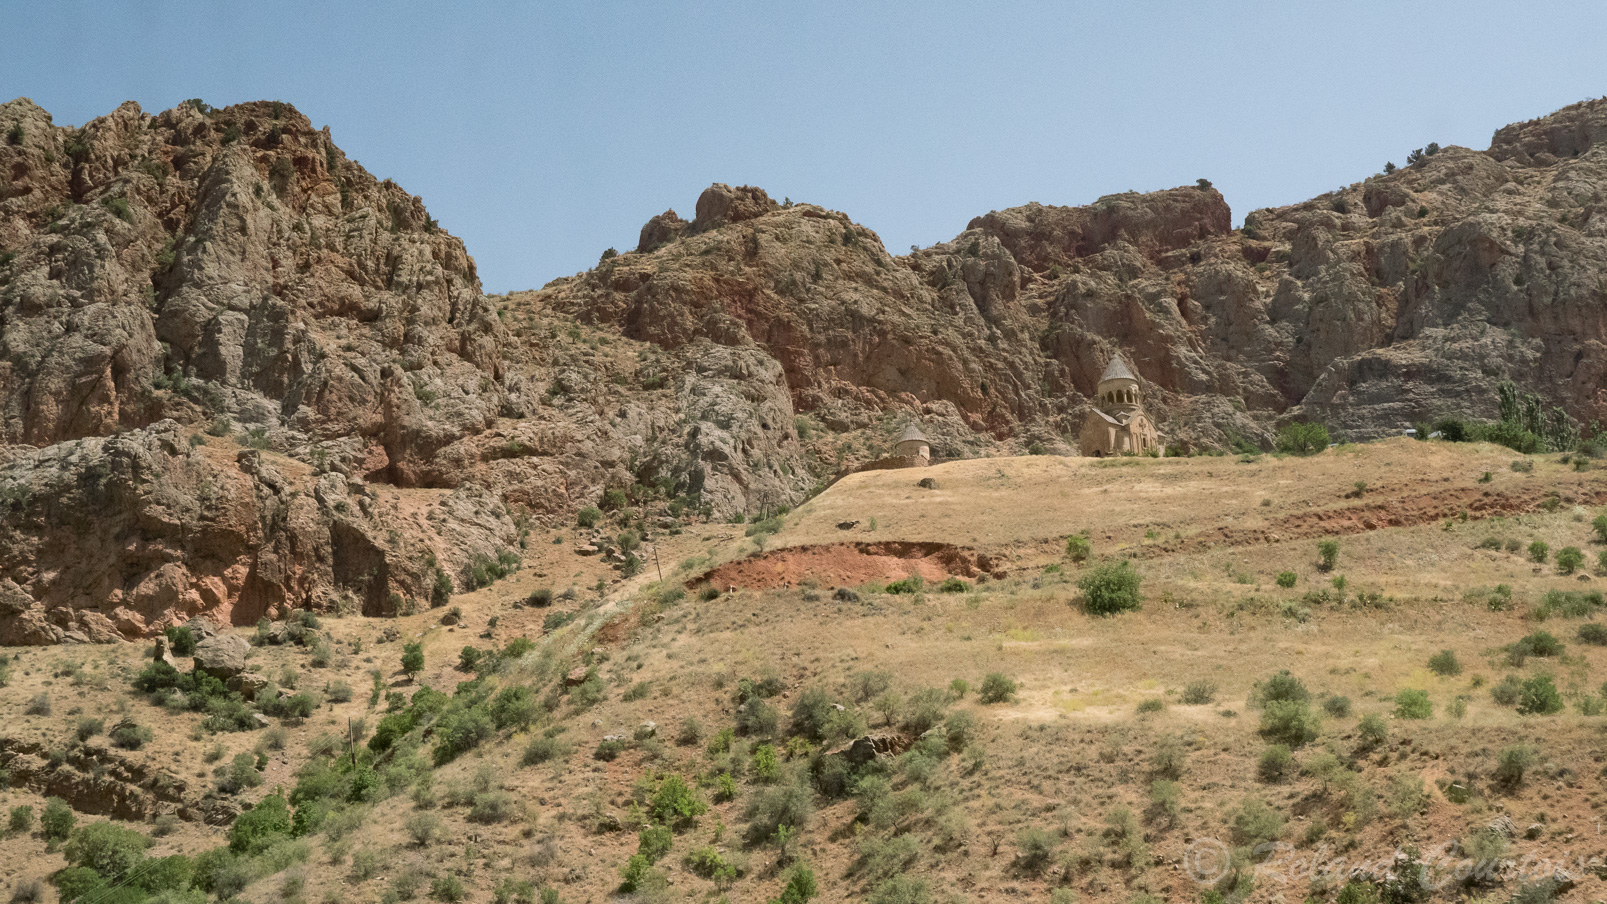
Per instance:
x=231, y=271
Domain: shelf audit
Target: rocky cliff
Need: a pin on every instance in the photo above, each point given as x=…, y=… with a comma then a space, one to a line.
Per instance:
x=235, y=367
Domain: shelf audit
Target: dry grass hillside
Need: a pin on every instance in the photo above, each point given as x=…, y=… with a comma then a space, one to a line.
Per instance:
x=1444, y=696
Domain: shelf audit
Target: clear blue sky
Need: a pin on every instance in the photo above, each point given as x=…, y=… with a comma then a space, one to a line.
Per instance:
x=543, y=133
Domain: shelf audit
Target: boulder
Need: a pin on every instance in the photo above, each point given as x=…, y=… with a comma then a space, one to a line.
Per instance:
x=222, y=656
x=576, y=676
x=864, y=749
x=202, y=627
x=247, y=684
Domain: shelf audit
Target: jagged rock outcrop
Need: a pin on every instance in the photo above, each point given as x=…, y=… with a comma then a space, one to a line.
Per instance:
x=226, y=349
x=122, y=536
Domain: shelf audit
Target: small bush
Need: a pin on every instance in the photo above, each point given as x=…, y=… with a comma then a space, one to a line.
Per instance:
x=38, y=706
x=1289, y=722
x=1507, y=691
x=1569, y=559
x=1539, y=643
x=1539, y=550
x=1276, y=764
x=181, y=640
x=953, y=585
x=1327, y=555
x=996, y=688
x=1372, y=730
x=1413, y=704
x=1336, y=706
x=130, y=736
x=1035, y=849
x=423, y=828
x=1513, y=763
x=1302, y=439
x=1287, y=579
x=1151, y=705
x=1078, y=547
x=1197, y=693
x=1254, y=822
x=1110, y=588
x=1539, y=697
x=1445, y=663
x=1593, y=633
x=540, y=598
x=589, y=516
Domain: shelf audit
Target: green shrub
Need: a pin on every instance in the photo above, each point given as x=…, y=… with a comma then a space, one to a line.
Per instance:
x=911, y=584
x=1150, y=705
x=1372, y=730
x=181, y=640
x=1336, y=706
x=1538, y=551
x=20, y=820
x=107, y=848
x=1594, y=633
x=57, y=820
x=1413, y=704
x=1507, y=691
x=1569, y=603
x=589, y=516
x=785, y=805
x=1110, y=588
x=1078, y=547
x=1197, y=693
x=259, y=827
x=1282, y=686
x=1327, y=554
x=1539, y=697
x=1445, y=663
x=1298, y=438
x=1254, y=822
x=130, y=736
x=1512, y=763
x=540, y=598
x=1276, y=764
x=676, y=803
x=1539, y=643
x=996, y=688
x=1035, y=850
x=447, y=889
x=1286, y=579
x=953, y=585
x=1569, y=558
x=1289, y=722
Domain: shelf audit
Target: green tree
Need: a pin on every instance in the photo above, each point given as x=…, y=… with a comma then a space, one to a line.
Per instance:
x=676, y=803
x=1413, y=704
x=413, y=658
x=1327, y=554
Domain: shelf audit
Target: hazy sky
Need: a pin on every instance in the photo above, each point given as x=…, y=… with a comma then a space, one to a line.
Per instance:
x=543, y=133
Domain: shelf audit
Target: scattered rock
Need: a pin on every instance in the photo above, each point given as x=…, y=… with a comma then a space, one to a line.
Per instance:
x=927, y=483
x=450, y=618
x=845, y=595
x=870, y=747
x=847, y=525
x=648, y=729
x=576, y=675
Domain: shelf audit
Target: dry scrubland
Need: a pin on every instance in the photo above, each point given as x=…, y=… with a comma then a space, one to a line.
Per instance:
x=1125, y=738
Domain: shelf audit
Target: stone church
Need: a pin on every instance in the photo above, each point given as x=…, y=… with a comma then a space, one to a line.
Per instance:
x=1117, y=424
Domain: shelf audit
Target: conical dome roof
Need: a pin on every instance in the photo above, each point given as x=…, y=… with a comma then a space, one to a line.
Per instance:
x=912, y=432
x=1117, y=369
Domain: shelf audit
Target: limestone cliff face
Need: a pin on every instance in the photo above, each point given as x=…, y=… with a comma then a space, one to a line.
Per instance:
x=228, y=354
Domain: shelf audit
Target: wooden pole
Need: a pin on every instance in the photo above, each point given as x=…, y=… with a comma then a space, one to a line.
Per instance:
x=657, y=566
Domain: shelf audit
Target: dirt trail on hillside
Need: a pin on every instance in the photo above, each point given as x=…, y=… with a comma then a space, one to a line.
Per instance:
x=849, y=564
